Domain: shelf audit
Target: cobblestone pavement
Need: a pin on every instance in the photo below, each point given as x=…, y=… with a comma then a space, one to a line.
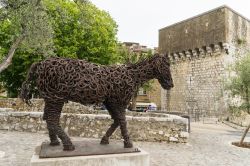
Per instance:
x=209, y=145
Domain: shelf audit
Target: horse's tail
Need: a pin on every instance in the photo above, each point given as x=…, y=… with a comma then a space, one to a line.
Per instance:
x=28, y=84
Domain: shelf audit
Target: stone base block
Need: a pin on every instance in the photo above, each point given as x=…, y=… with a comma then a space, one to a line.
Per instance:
x=86, y=147
x=124, y=159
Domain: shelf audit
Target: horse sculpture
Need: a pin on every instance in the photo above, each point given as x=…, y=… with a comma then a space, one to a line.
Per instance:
x=60, y=80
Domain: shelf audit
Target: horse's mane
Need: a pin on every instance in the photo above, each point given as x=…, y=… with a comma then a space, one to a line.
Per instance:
x=143, y=61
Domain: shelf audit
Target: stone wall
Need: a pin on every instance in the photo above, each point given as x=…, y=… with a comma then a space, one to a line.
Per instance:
x=199, y=84
x=15, y=104
x=170, y=129
x=38, y=106
x=199, y=81
x=237, y=29
x=240, y=118
x=196, y=32
x=200, y=50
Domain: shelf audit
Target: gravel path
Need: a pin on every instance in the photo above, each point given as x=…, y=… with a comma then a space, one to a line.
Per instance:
x=209, y=145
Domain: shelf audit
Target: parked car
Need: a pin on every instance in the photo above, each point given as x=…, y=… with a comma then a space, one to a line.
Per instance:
x=145, y=107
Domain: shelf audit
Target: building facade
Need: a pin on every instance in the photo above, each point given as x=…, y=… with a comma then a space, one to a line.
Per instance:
x=200, y=50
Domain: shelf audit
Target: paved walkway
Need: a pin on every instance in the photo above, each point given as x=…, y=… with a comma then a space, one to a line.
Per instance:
x=209, y=145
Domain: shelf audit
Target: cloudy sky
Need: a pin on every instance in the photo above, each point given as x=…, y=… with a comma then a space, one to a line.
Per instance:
x=140, y=20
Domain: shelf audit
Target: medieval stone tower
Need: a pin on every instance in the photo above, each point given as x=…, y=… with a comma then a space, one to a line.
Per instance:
x=201, y=49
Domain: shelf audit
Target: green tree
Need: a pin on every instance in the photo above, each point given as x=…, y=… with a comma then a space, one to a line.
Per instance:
x=83, y=31
x=78, y=30
x=240, y=83
x=15, y=74
x=240, y=86
x=23, y=22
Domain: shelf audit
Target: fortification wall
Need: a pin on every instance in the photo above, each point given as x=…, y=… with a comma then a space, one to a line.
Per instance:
x=237, y=29
x=196, y=32
x=200, y=50
x=199, y=84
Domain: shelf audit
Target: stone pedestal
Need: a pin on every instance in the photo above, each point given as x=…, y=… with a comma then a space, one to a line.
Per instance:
x=87, y=154
x=123, y=159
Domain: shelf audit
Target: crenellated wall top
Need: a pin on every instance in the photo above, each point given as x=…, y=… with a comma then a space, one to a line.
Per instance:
x=198, y=53
x=206, y=34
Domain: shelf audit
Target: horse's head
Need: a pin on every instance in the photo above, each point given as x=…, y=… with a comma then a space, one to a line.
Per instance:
x=163, y=74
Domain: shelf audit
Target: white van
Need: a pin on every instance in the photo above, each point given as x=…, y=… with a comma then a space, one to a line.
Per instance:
x=144, y=107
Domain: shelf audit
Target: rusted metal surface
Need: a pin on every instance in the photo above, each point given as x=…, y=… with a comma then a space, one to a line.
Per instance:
x=60, y=80
x=84, y=148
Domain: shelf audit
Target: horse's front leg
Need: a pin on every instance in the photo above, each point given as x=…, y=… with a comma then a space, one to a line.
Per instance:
x=112, y=128
x=110, y=131
x=124, y=131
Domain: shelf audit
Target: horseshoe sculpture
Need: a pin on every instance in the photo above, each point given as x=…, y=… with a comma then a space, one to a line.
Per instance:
x=60, y=80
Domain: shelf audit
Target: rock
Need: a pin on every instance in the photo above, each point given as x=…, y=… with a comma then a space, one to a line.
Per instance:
x=33, y=130
x=32, y=120
x=184, y=134
x=35, y=114
x=161, y=132
x=141, y=118
x=129, y=118
x=101, y=117
x=19, y=114
x=6, y=109
x=95, y=136
x=43, y=132
x=5, y=127
x=173, y=139
x=152, y=132
x=17, y=127
x=30, y=126
x=68, y=121
x=181, y=121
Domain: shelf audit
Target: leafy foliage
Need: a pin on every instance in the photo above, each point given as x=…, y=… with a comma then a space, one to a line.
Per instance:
x=28, y=18
x=240, y=83
x=83, y=31
x=54, y=28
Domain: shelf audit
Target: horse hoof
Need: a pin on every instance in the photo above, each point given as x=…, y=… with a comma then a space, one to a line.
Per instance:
x=104, y=141
x=68, y=147
x=54, y=143
x=128, y=145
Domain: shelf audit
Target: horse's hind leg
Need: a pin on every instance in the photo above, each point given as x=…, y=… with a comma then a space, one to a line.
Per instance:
x=124, y=131
x=53, y=113
x=52, y=134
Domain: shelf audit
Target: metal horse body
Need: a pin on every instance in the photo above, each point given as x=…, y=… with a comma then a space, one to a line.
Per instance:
x=60, y=80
